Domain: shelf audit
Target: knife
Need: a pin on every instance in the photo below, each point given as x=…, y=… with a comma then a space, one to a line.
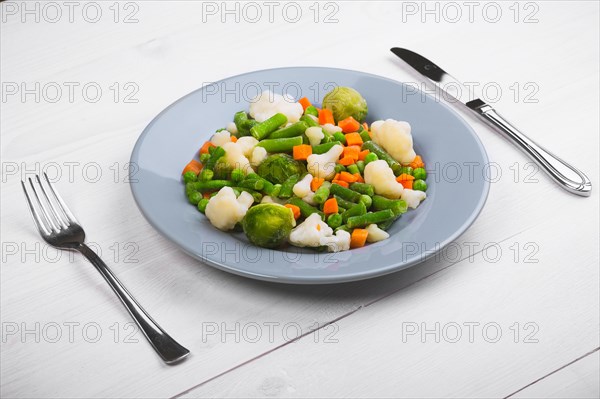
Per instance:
x=567, y=176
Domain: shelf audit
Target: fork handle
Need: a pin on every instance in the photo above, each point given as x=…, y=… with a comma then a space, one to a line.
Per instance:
x=169, y=349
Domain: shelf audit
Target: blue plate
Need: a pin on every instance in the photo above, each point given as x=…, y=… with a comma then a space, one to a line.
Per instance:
x=455, y=158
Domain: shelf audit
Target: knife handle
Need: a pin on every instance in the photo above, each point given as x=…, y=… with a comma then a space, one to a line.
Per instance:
x=567, y=176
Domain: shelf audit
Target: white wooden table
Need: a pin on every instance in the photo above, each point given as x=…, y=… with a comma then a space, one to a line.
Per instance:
x=512, y=309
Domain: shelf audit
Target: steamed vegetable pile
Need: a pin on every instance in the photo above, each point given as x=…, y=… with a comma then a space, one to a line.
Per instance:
x=289, y=172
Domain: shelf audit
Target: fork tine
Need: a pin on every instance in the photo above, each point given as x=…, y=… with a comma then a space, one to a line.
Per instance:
x=34, y=213
x=57, y=214
x=63, y=206
x=45, y=212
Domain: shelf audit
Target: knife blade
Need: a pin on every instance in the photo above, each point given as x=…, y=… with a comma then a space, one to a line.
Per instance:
x=566, y=175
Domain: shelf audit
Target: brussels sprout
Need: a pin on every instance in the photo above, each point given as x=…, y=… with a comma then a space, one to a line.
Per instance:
x=277, y=168
x=345, y=102
x=268, y=225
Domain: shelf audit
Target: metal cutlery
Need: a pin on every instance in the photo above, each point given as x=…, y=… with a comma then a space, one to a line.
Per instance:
x=566, y=175
x=59, y=228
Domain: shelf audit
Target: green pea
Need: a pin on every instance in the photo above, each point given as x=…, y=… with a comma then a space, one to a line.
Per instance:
x=206, y=175
x=420, y=185
x=420, y=173
x=202, y=204
x=195, y=197
x=190, y=177
x=365, y=199
x=237, y=175
x=339, y=136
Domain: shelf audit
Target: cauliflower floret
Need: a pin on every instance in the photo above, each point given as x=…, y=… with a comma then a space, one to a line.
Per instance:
x=323, y=165
x=413, y=197
x=339, y=242
x=313, y=232
x=302, y=188
x=376, y=234
x=395, y=138
x=234, y=157
x=247, y=144
x=219, y=139
x=258, y=155
x=315, y=135
x=267, y=104
x=309, y=232
x=331, y=129
x=224, y=210
x=381, y=176
x=314, y=118
x=231, y=128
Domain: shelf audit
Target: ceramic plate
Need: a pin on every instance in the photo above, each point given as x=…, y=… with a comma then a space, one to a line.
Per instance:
x=455, y=158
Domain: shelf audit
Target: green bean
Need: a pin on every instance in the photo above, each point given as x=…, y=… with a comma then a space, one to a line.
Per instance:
x=240, y=119
x=204, y=158
x=311, y=110
x=237, y=175
x=343, y=203
x=364, y=135
x=202, y=204
x=334, y=220
x=365, y=199
x=363, y=188
x=275, y=191
x=268, y=187
x=387, y=224
x=323, y=148
x=381, y=154
x=339, y=136
x=263, y=129
x=345, y=193
x=252, y=184
x=356, y=210
x=309, y=121
x=305, y=139
x=397, y=206
x=406, y=170
x=288, y=186
x=206, y=174
x=305, y=209
x=194, y=197
x=212, y=185
x=352, y=169
x=247, y=126
x=280, y=145
x=190, y=176
x=217, y=153
x=370, y=218
x=344, y=227
x=292, y=130
x=370, y=158
x=322, y=193
x=255, y=194
x=339, y=168
x=361, y=166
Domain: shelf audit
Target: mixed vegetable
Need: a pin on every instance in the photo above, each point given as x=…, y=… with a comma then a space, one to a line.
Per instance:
x=289, y=172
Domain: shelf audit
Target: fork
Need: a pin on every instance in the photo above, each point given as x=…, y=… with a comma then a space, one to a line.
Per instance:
x=59, y=228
